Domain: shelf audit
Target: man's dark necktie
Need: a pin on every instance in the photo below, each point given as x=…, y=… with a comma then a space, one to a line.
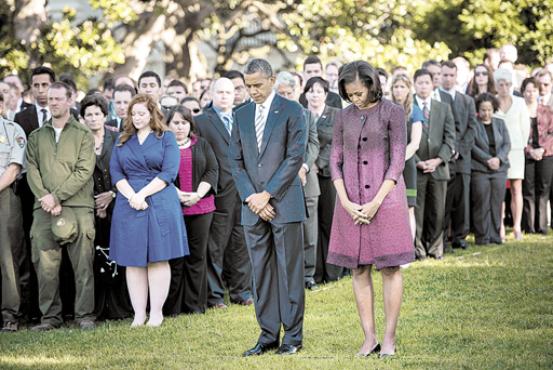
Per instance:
x=44, y=115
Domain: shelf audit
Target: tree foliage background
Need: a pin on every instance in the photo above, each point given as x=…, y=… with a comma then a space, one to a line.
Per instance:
x=120, y=34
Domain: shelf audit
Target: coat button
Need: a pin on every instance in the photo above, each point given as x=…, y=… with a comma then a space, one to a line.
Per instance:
x=259, y=165
x=364, y=139
x=365, y=162
x=367, y=186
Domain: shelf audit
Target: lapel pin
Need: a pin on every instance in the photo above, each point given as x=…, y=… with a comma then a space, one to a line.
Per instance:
x=276, y=111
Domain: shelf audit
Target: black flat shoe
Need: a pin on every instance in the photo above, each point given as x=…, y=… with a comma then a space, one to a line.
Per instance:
x=260, y=348
x=375, y=349
x=288, y=349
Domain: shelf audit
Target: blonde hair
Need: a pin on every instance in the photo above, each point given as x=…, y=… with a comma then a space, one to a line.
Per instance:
x=408, y=103
x=156, y=118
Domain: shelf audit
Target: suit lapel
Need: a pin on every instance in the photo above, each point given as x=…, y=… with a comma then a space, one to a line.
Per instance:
x=219, y=125
x=272, y=118
x=245, y=118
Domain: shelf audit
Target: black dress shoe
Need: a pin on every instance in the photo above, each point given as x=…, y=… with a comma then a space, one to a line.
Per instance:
x=260, y=348
x=288, y=349
x=460, y=243
x=311, y=285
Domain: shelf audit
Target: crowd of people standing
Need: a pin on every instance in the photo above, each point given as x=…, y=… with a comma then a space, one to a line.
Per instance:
x=145, y=195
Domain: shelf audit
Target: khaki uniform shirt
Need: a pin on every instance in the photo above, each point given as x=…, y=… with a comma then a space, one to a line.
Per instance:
x=12, y=145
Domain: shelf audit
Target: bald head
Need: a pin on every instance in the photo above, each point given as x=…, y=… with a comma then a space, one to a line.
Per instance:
x=222, y=92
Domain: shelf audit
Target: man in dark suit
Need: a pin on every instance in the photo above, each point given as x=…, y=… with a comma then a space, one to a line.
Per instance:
x=435, y=150
x=457, y=209
x=122, y=96
x=30, y=119
x=267, y=150
x=286, y=86
x=312, y=66
x=227, y=255
x=240, y=92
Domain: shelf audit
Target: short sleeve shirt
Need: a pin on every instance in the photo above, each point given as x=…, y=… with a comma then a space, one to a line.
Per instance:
x=12, y=145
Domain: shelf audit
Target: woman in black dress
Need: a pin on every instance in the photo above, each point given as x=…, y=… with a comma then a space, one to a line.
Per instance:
x=111, y=297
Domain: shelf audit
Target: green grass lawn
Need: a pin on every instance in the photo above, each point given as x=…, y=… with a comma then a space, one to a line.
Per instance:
x=483, y=308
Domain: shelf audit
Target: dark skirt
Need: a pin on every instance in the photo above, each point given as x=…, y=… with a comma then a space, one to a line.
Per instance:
x=410, y=178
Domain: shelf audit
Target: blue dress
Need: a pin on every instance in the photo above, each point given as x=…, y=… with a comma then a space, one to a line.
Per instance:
x=158, y=232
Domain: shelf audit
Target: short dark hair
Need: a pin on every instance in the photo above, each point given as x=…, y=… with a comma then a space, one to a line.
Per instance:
x=68, y=79
x=487, y=97
x=108, y=83
x=94, y=100
x=150, y=74
x=449, y=64
x=316, y=80
x=382, y=72
x=178, y=83
x=233, y=73
x=124, y=87
x=363, y=71
x=430, y=62
x=526, y=82
x=312, y=59
x=62, y=85
x=258, y=65
x=43, y=70
x=184, y=112
x=421, y=72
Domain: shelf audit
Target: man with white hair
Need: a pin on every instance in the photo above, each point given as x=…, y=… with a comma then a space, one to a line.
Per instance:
x=508, y=52
x=286, y=86
x=227, y=256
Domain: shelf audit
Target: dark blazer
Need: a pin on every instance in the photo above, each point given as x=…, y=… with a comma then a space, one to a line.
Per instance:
x=24, y=105
x=274, y=168
x=311, y=188
x=27, y=119
x=101, y=176
x=204, y=166
x=440, y=138
x=210, y=127
x=332, y=99
x=325, y=129
x=481, y=149
x=112, y=125
x=464, y=113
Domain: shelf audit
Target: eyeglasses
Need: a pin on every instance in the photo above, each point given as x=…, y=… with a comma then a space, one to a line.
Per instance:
x=481, y=73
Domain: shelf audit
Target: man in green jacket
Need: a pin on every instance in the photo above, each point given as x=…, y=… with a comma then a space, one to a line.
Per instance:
x=61, y=161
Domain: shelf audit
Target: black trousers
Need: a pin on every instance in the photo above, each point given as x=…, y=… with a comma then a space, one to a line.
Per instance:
x=488, y=192
x=188, y=289
x=325, y=272
x=276, y=253
x=227, y=256
x=536, y=188
x=457, y=207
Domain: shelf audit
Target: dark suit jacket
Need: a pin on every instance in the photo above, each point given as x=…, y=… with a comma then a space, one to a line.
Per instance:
x=24, y=105
x=27, y=119
x=274, y=168
x=464, y=113
x=112, y=125
x=332, y=99
x=325, y=128
x=311, y=189
x=440, y=136
x=210, y=127
x=481, y=148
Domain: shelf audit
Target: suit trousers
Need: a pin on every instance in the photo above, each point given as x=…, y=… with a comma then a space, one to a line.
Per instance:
x=227, y=255
x=12, y=244
x=310, y=231
x=488, y=192
x=429, y=215
x=188, y=289
x=536, y=188
x=326, y=272
x=457, y=207
x=47, y=256
x=276, y=253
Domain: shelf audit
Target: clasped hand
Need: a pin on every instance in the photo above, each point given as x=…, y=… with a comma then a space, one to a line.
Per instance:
x=362, y=214
x=494, y=163
x=259, y=204
x=188, y=198
x=138, y=202
x=50, y=205
x=429, y=165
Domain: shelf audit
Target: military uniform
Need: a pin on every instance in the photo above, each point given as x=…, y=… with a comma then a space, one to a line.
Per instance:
x=63, y=169
x=12, y=151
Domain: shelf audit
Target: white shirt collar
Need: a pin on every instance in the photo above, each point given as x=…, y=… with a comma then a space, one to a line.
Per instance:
x=39, y=113
x=267, y=103
x=451, y=92
x=421, y=101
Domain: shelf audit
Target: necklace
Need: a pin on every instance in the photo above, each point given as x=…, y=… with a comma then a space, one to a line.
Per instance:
x=185, y=143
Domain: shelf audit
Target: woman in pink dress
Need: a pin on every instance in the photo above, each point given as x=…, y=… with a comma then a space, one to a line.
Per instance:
x=371, y=218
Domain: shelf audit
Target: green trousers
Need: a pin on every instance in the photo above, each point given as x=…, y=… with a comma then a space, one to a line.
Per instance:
x=11, y=245
x=47, y=254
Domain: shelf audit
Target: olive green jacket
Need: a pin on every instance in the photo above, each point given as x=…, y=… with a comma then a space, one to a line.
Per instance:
x=63, y=169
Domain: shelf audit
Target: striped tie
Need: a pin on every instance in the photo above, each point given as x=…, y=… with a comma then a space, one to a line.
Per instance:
x=259, y=125
x=425, y=111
